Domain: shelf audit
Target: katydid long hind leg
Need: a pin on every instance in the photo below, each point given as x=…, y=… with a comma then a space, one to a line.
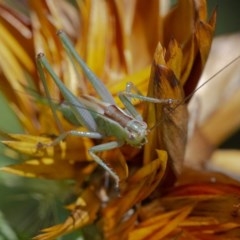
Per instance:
x=82, y=114
x=44, y=82
x=99, y=87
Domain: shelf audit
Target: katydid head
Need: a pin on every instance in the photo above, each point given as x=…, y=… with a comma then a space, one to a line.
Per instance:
x=136, y=133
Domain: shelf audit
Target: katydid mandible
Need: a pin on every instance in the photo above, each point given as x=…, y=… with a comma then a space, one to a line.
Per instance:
x=101, y=117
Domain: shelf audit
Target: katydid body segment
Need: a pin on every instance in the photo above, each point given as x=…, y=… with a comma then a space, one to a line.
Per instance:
x=101, y=117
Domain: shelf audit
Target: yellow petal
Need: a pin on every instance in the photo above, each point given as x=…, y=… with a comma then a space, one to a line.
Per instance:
x=80, y=216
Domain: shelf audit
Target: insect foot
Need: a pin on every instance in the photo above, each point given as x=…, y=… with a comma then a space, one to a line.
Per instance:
x=40, y=146
x=171, y=101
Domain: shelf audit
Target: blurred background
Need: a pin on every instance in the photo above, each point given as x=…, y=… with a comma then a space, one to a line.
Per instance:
x=27, y=205
x=228, y=22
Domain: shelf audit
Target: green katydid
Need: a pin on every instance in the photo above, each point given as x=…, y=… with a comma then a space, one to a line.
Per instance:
x=101, y=117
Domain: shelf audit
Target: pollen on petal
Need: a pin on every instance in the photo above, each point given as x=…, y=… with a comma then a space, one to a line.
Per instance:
x=47, y=161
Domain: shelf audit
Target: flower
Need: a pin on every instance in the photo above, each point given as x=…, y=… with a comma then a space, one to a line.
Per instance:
x=117, y=40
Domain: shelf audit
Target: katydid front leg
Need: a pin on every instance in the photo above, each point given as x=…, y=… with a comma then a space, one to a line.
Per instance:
x=105, y=147
x=64, y=135
x=132, y=92
x=92, y=151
